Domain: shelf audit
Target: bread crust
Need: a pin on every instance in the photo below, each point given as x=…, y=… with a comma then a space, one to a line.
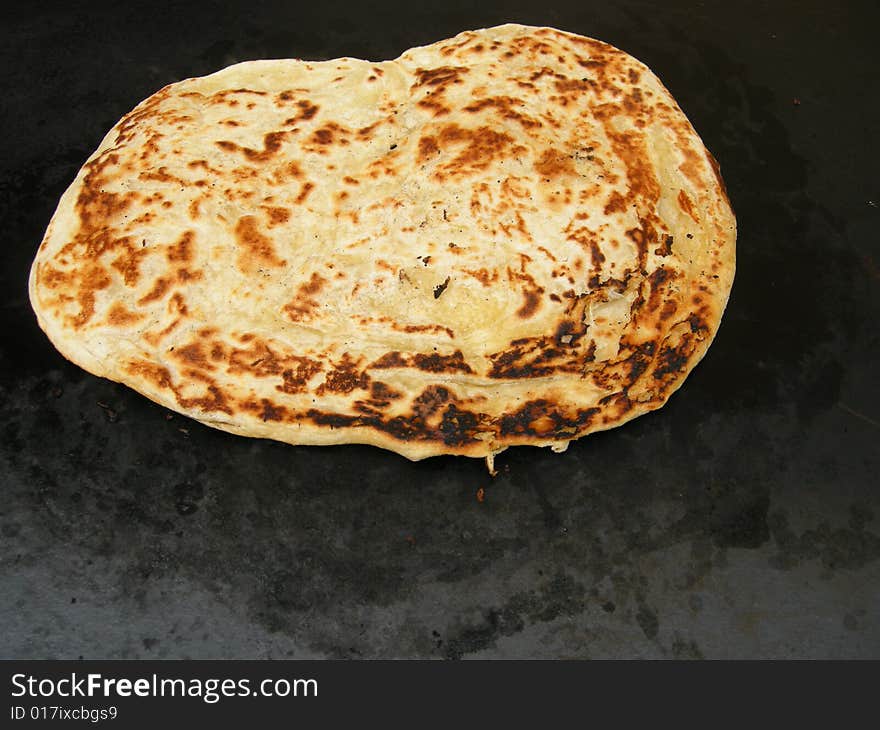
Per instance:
x=510, y=237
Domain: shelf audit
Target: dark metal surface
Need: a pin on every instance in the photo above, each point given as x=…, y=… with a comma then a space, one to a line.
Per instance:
x=743, y=519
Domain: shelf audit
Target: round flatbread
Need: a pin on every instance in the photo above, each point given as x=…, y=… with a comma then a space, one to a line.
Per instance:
x=510, y=237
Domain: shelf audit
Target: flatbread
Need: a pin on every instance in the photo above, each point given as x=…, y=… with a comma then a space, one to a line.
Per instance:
x=512, y=237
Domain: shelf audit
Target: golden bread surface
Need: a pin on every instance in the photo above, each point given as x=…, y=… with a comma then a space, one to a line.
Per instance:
x=511, y=237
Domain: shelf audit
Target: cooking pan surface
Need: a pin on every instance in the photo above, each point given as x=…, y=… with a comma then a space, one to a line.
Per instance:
x=741, y=520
